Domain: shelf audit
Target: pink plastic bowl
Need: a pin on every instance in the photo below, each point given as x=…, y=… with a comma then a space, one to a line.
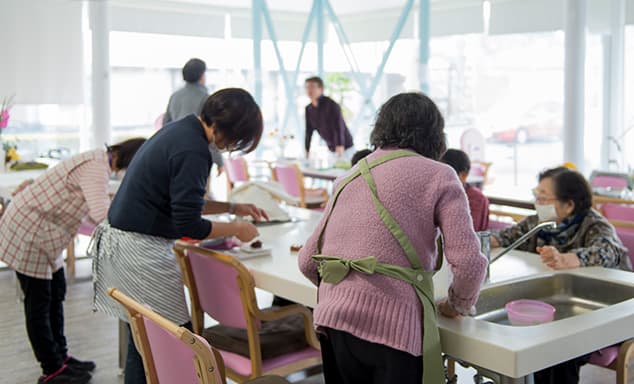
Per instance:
x=529, y=312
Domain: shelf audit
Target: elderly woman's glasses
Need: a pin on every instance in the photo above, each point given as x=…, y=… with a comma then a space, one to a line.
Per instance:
x=540, y=198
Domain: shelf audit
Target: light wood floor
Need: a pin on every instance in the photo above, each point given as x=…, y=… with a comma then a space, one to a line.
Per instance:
x=94, y=337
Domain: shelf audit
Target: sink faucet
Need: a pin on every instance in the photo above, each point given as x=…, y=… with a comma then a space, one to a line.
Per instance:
x=485, y=238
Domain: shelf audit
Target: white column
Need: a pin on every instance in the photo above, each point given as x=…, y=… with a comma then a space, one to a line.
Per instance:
x=613, y=92
x=574, y=84
x=100, y=22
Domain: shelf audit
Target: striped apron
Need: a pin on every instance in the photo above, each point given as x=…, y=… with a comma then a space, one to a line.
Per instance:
x=141, y=266
x=334, y=269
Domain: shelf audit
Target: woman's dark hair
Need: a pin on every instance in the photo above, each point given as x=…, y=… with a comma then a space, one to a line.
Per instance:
x=317, y=80
x=359, y=155
x=125, y=151
x=193, y=70
x=570, y=186
x=237, y=117
x=410, y=121
x=457, y=159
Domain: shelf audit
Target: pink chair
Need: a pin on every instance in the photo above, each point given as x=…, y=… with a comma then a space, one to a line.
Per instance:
x=172, y=354
x=237, y=171
x=291, y=178
x=158, y=122
x=617, y=357
x=612, y=182
x=222, y=287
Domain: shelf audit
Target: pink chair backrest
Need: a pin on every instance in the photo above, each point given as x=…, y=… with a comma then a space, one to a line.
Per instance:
x=286, y=175
x=477, y=169
x=158, y=122
x=218, y=290
x=609, y=182
x=86, y=228
x=236, y=169
x=613, y=211
x=173, y=360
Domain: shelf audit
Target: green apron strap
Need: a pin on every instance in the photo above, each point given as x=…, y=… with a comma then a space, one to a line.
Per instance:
x=383, y=159
x=388, y=219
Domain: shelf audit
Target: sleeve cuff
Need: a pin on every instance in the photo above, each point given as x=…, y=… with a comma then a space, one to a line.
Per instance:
x=465, y=307
x=583, y=257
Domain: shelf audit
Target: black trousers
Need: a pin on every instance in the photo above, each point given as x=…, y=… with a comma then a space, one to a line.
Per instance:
x=44, y=313
x=134, y=370
x=350, y=360
x=563, y=373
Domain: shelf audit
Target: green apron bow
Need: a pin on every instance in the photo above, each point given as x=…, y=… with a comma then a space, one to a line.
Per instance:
x=333, y=270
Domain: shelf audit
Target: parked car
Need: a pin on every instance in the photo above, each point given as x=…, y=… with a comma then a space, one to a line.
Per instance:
x=543, y=121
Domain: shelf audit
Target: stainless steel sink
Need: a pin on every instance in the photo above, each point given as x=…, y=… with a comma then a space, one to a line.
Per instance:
x=570, y=294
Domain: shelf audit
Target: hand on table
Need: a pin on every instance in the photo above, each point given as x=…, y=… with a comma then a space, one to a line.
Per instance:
x=251, y=210
x=22, y=186
x=339, y=149
x=446, y=310
x=245, y=231
x=556, y=260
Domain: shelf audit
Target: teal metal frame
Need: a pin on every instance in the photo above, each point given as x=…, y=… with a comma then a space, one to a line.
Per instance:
x=320, y=9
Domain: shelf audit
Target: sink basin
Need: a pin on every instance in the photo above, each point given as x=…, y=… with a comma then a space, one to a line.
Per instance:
x=570, y=294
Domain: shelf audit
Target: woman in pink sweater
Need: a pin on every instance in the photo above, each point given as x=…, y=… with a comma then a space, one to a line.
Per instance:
x=370, y=324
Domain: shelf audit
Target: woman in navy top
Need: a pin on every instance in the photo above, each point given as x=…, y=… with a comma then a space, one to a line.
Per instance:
x=160, y=200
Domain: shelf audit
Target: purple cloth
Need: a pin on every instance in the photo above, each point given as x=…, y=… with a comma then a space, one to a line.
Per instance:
x=423, y=196
x=327, y=120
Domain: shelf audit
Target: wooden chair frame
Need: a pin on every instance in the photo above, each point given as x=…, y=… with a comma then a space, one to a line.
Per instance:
x=249, y=303
x=302, y=187
x=622, y=363
x=203, y=361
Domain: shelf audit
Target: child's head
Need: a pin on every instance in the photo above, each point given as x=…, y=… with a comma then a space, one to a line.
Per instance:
x=459, y=161
x=359, y=155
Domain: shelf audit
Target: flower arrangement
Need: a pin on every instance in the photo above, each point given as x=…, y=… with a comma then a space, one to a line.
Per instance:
x=5, y=109
x=283, y=138
x=11, y=155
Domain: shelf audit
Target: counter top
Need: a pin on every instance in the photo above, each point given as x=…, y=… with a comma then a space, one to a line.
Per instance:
x=512, y=351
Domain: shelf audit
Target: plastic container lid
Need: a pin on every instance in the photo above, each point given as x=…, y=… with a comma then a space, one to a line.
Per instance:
x=529, y=312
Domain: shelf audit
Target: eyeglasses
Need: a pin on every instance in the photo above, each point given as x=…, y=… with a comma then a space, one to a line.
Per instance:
x=541, y=198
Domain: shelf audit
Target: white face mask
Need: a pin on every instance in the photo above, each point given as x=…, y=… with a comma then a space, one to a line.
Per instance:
x=546, y=212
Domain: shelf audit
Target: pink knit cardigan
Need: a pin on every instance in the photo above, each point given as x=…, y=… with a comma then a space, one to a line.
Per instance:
x=424, y=197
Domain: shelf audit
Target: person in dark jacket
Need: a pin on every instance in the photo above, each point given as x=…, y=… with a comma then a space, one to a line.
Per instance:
x=161, y=199
x=323, y=115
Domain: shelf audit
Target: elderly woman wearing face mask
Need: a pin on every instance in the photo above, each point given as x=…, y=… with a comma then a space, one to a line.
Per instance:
x=582, y=238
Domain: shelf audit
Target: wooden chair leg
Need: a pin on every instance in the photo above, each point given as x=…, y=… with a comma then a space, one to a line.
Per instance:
x=451, y=368
x=70, y=260
x=626, y=353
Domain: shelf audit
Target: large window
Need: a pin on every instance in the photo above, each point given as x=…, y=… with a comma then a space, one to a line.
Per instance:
x=510, y=89
x=45, y=129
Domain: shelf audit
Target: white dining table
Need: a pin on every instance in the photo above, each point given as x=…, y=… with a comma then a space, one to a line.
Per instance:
x=10, y=180
x=280, y=275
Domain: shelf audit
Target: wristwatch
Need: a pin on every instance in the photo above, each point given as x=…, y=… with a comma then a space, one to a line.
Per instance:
x=232, y=208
